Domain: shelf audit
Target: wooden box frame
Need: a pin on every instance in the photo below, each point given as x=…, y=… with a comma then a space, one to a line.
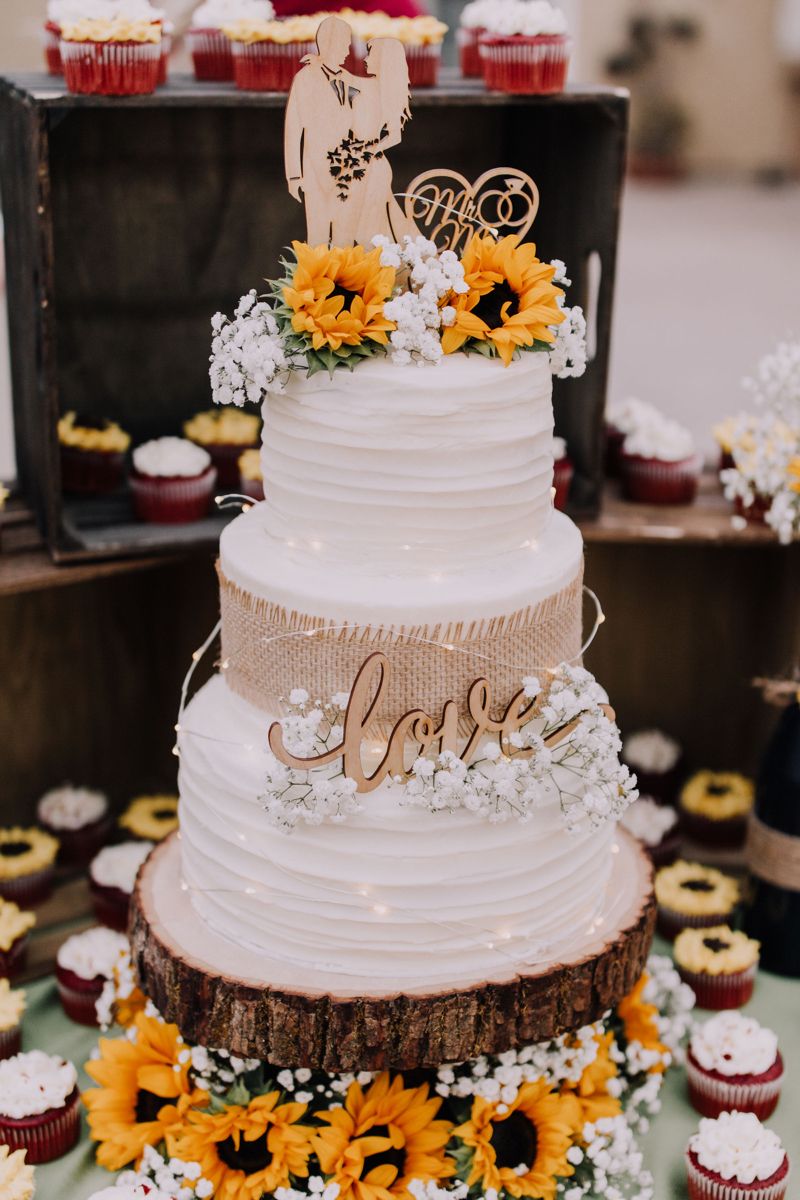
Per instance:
x=128, y=223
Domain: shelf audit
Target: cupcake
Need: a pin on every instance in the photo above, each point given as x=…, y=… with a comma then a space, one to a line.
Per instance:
x=172, y=481
x=715, y=806
x=85, y=962
x=563, y=471
x=656, y=827
x=112, y=875
x=79, y=818
x=118, y=54
x=422, y=39
x=12, y=1006
x=733, y=1063
x=15, y=927
x=212, y=58
x=52, y=37
x=16, y=1176
x=718, y=964
x=39, y=1105
x=471, y=24
x=251, y=478
x=525, y=48
x=92, y=453
x=623, y=418
x=150, y=818
x=735, y=1157
x=655, y=759
x=659, y=464
x=225, y=433
x=267, y=54
x=690, y=895
x=27, y=859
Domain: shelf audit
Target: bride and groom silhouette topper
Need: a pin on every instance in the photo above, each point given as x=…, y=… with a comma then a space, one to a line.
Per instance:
x=339, y=127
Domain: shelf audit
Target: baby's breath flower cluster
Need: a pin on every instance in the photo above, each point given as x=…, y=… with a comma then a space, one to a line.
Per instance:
x=568, y=352
x=764, y=448
x=608, y=1163
x=173, y=1178
x=316, y=1189
x=416, y=310
x=248, y=354
x=118, y=988
x=217, y=1071
x=675, y=1002
x=776, y=383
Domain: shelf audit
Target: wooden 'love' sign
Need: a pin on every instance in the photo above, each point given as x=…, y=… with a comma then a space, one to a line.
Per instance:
x=418, y=727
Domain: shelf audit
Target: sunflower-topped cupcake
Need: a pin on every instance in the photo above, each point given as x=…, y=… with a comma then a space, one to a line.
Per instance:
x=689, y=894
x=719, y=964
x=15, y=925
x=151, y=818
x=715, y=806
x=224, y=433
x=92, y=454
x=27, y=857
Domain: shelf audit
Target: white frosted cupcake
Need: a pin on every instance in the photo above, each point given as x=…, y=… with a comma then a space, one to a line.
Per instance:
x=734, y=1063
x=212, y=58
x=656, y=827
x=525, y=48
x=659, y=463
x=172, y=481
x=735, y=1157
x=112, y=876
x=471, y=24
x=655, y=758
x=39, y=1105
x=84, y=963
x=80, y=819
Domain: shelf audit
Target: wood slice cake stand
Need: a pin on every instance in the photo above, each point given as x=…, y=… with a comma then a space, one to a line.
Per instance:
x=222, y=995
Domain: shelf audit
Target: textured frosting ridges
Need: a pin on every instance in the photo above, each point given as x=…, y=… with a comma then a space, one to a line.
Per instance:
x=408, y=898
x=413, y=470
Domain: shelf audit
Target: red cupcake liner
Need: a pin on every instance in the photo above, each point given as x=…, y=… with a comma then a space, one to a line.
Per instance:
x=91, y=472
x=46, y=1136
x=225, y=457
x=79, y=996
x=110, y=905
x=172, y=500
x=712, y=1093
x=670, y=922
x=254, y=488
x=729, y=832
x=28, y=890
x=212, y=57
x=10, y=1041
x=526, y=66
x=77, y=847
x=13, y=960
x=708, y=1185
x=661, y=786
x=469, y=54
x=718, y=992
x=667, y=850
x=268, y=66
x=52, y=48
x=423, y=65
x=163, y=64
x=563, y=472
x=111, y=68
x=651, y=481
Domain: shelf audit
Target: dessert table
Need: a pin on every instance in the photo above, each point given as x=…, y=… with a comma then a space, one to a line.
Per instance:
x=776, y=1003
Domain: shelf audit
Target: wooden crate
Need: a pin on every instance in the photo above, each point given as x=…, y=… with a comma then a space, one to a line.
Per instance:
x=130, y=222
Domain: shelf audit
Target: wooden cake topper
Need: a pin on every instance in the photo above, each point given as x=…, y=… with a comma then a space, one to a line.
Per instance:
x=339, y=127
x=449, y=209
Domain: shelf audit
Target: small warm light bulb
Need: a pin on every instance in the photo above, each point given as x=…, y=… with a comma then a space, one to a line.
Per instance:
x=363, y=891
x=176, y=751
x=448, y=646
x=490, y=945
x=380, y=909
x=615, y=848
x=315, y=545
x=601, y=616
x=246, y=507
x=196, y=656
x=177, y=728
x=249, y=891
x=224, y=665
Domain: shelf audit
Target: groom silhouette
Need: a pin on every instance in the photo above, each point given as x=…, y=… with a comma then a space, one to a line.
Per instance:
x=319, y=114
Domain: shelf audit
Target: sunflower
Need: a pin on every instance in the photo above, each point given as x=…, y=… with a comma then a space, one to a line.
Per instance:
x=144, y=1090
x=245, y=1152
x=336, y=297
x=511, y=300
x=640, y=1022
x=382, y=1139
x=592, y=1087
x=535, y=1131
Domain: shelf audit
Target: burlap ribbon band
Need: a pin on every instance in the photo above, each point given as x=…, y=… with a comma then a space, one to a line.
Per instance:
x=773, y=856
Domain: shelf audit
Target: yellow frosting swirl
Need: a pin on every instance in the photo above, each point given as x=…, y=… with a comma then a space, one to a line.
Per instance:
x=116, y=29
x=12, y=1006
x=412, y=31
x=82, y=437
x=14, y=923
x=718, y=795
x=250, y=465
x=293, y=29
x=696, y=891
x=223, y=427
x=151, y=817
x=715, y=951
x=24, y=851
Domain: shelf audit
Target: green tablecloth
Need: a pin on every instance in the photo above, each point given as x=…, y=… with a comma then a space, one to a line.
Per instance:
x=776, y=1003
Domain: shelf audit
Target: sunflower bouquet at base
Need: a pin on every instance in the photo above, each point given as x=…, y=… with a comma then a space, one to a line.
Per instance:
x=554, y=1121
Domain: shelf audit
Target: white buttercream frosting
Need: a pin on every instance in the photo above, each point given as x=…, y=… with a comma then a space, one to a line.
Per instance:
x=117, y=866
x=650, y=750
x=171, y=457
x=559, y=448
x=214, y=14
x=664, y=439
x=476, y=14
x=33, y=1083
x=69, y=12
x=648, y=821
x=738, y=1147
x=734, y=1044
x=95, y=952
x=631, y=414
x=71, y=807
x=531, y=18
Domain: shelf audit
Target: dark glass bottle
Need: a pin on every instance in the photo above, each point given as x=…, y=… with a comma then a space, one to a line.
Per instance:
x=773, y=915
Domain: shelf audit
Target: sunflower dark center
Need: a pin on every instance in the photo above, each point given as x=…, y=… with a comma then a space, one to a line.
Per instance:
x=164, y=814
x=514, y=1141
x=697, y=885
x=718, y=789
x=250, y=1157
x=715, y=945
x=390, y=1158
x=490, y=307
x=346, y=295
x=148, y=1106
x=14, y=849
